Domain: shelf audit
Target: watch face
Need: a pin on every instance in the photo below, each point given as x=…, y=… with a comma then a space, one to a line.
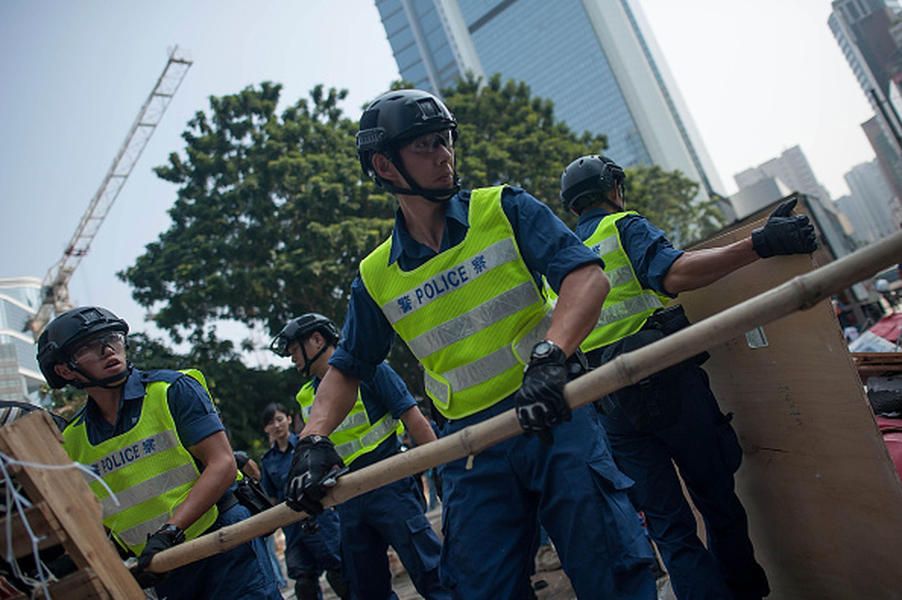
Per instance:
x=542, y=349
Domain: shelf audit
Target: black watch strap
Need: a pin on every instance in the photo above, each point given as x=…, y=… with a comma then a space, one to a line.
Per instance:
x=174, y=531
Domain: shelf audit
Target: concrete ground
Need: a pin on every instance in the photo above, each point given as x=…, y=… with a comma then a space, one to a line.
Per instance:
x=549, y=584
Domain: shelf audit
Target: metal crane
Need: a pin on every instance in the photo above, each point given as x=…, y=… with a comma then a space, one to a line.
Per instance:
x=55, y=286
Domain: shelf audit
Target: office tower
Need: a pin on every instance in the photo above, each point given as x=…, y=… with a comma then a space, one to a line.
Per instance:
x=869, y=189
x=864, y=227
x=595, y=59
x=791, y=168
x=889, y=160
x=869, y=34
x=20, y=377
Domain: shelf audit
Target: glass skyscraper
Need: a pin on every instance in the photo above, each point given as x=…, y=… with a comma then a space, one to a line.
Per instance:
x=595, y=59
x=20, y=377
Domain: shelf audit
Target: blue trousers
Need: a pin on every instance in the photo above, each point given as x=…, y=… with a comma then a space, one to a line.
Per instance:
x=389, y=516
x=310, y=554
x=242, y=573
x=574, y=489
x=702, y=444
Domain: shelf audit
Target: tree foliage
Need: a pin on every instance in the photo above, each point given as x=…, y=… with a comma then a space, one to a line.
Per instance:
x=273, y=214
x=667, y=198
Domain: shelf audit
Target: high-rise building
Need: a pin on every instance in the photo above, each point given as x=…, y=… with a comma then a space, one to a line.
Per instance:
x=869, y=189
x=889, y=160
x=869, y=33
x=595, y=59
x=791, y=168
x=20, y=377
x=864, y=228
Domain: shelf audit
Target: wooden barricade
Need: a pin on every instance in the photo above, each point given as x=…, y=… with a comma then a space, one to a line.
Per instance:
x=65, y=511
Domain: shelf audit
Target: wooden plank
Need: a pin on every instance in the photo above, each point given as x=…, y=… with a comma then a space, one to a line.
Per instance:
x=821, y=493
x=43, y=524
x=80, y=585
x=66, y=496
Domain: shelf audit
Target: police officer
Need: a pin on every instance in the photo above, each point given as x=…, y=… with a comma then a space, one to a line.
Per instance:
x=312, y=546
x=392, y=515
x=672, y=417
x=458, y=281
x=156, y=441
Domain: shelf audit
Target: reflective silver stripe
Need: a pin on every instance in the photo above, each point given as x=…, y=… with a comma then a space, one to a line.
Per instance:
x=487, y=367
x=354, y=419
x=605, y=245
x=474, y=266
x=151, y=488
x=471, y=322
x=123, y=457
x=619, y=276
x=436, y=389
x=137, y=535
x=611, y=313
x=372, y=436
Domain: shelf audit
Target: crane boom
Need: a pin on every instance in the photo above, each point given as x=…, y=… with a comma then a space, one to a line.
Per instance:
x=55, y=286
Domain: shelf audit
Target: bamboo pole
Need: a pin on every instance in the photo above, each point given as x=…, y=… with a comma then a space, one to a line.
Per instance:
x=800, y=293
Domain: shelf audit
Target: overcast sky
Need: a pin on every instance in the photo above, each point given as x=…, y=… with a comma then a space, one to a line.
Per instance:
x=759, y=76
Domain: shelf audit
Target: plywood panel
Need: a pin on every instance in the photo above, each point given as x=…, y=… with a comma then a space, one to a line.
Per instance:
x=824, y=501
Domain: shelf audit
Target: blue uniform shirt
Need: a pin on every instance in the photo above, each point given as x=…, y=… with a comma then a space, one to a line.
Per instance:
x=648, y=249
x=547, y=246
x=274, y=468
x=190, y=405
x=384, y=392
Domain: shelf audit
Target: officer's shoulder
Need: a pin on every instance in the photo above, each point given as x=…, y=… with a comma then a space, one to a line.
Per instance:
x=79, y=417
x=164, y=375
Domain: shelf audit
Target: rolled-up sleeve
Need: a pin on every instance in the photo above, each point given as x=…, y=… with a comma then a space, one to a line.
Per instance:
x=366, y=336
x=649, y=251
x=547, y=245
x=192, y=410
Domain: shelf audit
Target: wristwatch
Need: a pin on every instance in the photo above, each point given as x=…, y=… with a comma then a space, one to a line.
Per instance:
x=315, y=438
x=546, y=350
x=173, y=531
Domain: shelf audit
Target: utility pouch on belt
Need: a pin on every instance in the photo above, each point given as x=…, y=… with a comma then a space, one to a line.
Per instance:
x=251, y=495
x=649, y=404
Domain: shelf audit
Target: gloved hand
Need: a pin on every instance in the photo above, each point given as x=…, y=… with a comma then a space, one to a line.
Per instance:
x=540, y=400
x=784, y=233
x=165, y=537
x=315, y=467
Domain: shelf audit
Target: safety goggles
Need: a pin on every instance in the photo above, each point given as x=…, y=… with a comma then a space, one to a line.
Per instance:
x=95, y=347
x=430, y=142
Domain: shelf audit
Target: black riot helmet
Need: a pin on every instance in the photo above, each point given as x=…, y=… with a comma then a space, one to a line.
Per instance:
x=65, y=332
x=590, y=178
x=299, y=329
x=395, y=118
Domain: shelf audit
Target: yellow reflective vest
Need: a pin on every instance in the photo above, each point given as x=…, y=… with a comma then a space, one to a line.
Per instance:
x=470, y=315
x=147, y=468
x=355, y=436
x=628, y=305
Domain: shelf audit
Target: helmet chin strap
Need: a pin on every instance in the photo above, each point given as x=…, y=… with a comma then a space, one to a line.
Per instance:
x=113, y=381
x=308, y=362
x=437, y=195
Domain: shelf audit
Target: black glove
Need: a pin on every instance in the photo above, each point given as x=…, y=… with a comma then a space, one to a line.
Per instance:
x=540, y=400
x=315, y=467
x=784, y=233
x=166, y=537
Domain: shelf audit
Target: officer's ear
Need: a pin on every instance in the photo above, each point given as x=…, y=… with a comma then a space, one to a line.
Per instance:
x=65, y=372
x=386, y=169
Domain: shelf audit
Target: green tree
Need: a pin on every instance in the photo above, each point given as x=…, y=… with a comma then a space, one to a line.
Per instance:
x=667, y=198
